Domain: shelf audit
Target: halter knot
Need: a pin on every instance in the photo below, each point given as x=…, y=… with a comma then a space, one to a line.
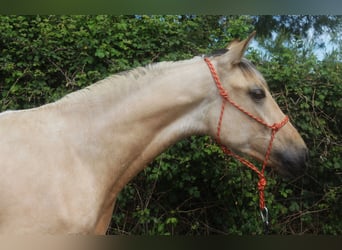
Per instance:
x=262, y=183
x=276, y=126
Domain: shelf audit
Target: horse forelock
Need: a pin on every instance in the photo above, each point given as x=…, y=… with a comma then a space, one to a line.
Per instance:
x=250, y=71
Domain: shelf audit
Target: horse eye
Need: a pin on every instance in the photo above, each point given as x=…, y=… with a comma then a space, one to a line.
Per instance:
x=257, y=94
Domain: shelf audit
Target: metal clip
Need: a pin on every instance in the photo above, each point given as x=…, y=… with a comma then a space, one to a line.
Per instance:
x=264, y=217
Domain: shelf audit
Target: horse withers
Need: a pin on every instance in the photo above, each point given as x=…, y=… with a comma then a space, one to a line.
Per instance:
x=63, y=164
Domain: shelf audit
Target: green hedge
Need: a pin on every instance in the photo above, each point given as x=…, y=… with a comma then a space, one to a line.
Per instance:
x=191, y=189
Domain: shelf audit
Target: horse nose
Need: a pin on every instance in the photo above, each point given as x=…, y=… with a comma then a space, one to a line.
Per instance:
x=293, y=162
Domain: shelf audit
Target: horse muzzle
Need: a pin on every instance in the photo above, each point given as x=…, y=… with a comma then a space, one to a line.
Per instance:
x=292, y=161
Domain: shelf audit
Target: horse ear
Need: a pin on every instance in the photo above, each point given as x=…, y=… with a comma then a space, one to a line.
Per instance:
x=236, y=49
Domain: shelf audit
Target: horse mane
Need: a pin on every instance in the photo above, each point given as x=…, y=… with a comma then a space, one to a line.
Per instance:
x=122, y=83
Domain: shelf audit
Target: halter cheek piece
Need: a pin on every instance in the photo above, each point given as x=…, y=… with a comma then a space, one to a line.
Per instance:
x=274, y=129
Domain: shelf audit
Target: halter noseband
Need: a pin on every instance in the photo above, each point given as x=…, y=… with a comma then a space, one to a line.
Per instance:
x=274, y=129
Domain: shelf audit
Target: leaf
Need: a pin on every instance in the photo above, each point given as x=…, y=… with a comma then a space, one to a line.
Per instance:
x=100, y=53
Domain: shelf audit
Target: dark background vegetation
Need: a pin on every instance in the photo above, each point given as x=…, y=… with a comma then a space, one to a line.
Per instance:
x=192, y=188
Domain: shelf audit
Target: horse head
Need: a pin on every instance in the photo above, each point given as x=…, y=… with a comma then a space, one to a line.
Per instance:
x=245, y=117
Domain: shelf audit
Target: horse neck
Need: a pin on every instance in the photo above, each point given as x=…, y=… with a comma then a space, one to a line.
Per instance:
x=123, y=136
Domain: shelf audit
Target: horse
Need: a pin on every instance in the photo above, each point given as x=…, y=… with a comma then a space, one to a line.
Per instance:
x=63, y=164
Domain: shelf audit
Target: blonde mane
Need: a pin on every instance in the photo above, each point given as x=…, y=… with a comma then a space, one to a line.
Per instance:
x=122, y=83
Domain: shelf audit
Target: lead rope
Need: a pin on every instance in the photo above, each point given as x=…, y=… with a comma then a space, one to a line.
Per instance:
x=274, y=129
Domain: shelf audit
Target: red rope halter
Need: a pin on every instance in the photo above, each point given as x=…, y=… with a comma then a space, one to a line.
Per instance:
x=274, y=129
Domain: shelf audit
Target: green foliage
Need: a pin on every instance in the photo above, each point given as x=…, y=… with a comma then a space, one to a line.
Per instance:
x=192, y=188
x=44, y=57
